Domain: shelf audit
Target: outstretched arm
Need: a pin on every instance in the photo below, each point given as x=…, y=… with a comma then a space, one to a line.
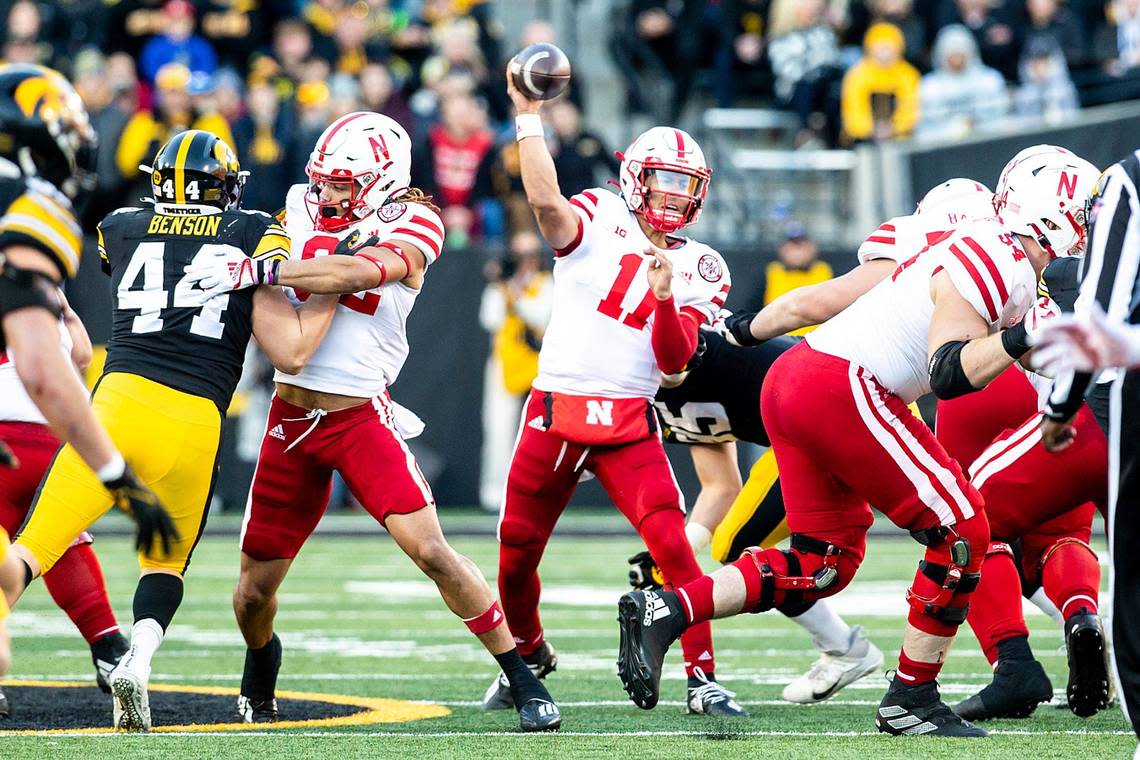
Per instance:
x=557, y=221
x=289, y=336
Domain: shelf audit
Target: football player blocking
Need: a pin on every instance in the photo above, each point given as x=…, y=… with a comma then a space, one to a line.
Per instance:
x=947, y=319
x=358, y=203
x=48, y=165
x=629, y=296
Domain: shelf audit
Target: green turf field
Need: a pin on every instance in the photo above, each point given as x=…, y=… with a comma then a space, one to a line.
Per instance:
x=357, y=619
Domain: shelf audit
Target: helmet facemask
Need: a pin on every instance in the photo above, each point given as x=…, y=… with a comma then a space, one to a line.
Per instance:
x=349, y=202
x=669, y=197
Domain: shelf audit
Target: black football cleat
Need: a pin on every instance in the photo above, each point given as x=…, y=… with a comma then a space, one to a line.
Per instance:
x=707, y=697
x=105, y=654
x=644, y=573
x=1088, y=669
x=542, y=662
x=5, y=706
x=1018, y=687
x=257, y=711
x=539, y=715
x=919, y=710
x=649, y=621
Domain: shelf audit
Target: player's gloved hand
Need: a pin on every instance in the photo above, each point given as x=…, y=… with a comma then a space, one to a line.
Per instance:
x=351, y=244
x=225, y=270
x=738, y=331
x=7, y=458
x=152, y=522
x=644, y=573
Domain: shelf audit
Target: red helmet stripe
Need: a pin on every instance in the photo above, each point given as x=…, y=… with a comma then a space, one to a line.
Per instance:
x=680, y=144
x=338, y=126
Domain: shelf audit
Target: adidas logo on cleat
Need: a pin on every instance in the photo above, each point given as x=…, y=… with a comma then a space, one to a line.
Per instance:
x=277, y=432
x=900, y=719
x=655, y=609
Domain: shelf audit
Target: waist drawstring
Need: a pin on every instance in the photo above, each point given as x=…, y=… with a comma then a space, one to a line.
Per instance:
x=315, y=415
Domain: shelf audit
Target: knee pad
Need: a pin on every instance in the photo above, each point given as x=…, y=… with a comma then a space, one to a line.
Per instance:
x=952, y=564
x=810, y=570
x=1066, y=541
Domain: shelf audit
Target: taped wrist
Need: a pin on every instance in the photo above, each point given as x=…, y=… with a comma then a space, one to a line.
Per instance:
x=947, y=378
x=1015, y=340
x=740, y=327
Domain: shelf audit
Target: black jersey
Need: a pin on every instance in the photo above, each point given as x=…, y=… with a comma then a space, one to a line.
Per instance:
x=161, y=329
x=720, y=399
x=35, y=214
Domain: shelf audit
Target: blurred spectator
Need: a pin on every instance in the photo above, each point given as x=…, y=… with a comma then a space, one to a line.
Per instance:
x=961, y=93
x=344, y=95
x=262, y=138
x=1046, y=90
x=312, y=104
x=354, y=45
x=782, y=13
x=130, y=23
x=1118, y=40
x=992, y=29
x=901, y=14
x=456, y=163
x=459, y=57
x=578, y=154
x=177, y=43
x=797, y=265
x=805, y=63
x=108, y=88
x=1046, y=17
x=292, y=46
x=174, y=111
x=229, y=96
x=749, y=69
x=236, y=28
x=72, y=25
x=378, y=93
x=23, y=41
x=515, y=310
x=880, y=93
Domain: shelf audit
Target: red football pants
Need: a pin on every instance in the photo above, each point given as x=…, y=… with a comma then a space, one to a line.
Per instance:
x=75, y=582
x=544, y=471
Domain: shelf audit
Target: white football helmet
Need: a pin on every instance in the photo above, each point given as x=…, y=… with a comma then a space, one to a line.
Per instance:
x=1042, y=150
x=665, y=163
x=368, y=150
x=960, y=196
x=1046, y=197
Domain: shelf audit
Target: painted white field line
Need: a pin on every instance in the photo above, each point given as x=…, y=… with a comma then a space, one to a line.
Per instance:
x=553, y=736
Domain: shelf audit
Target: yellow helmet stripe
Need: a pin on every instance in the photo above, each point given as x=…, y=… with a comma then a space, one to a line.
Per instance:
x=180, y=168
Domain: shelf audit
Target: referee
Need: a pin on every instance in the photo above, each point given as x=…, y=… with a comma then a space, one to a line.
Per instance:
x=1111, y=269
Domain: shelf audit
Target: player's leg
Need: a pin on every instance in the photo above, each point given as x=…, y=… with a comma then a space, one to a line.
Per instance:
x=288, y=496
x=173, y=438
x=640, y=481
x=401, y=499
x=11, y=570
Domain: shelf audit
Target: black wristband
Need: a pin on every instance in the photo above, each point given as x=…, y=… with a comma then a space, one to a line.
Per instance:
x=1015, y=340
x=740, y=325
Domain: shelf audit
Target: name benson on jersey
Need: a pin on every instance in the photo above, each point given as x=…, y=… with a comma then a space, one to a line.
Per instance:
x=198, y=226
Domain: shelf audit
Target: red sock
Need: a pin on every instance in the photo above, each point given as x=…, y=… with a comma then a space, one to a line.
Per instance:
x=1070, y=576
x=995, y=608
x=519, y=589
x=697, y=599
x=76, y=584
x=913, y=673
x=663, y=531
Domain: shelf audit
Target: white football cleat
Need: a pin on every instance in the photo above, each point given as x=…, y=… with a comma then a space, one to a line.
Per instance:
x=131, y=703
x=834, y=670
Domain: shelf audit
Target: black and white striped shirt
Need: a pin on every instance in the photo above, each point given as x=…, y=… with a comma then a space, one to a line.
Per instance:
x=1111, y=268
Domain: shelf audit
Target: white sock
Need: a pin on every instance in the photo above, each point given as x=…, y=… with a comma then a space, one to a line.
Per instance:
x=1045, y=604
x=698, y=535
x=146, y=637
x=828, y=631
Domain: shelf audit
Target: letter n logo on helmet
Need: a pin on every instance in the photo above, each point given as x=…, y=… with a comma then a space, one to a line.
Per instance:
x=380, y=148
x=1067, y=184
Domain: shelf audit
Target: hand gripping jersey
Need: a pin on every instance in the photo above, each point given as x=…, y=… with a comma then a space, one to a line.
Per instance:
x=367, y=344
x=886, y=330
x=15, y=403
x=598, y=342
x=719, y=400
x=161, y=329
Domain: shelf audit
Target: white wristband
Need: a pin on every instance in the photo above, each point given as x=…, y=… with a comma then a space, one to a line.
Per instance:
x=113, y=470
x=528, y=125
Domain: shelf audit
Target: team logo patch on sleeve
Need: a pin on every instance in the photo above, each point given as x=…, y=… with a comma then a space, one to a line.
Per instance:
x=708, y=266
x=390, y=212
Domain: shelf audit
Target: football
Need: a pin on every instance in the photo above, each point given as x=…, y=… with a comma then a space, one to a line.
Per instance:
x=541, y=71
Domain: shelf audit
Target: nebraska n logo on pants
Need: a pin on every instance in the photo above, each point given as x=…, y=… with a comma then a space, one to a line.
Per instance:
x=599, y=412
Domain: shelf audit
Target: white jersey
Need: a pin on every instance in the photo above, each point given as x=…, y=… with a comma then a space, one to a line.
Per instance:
x=598, y=342
x=900, y=238
x=367, y=344
x=15, y=403
x=886, y=330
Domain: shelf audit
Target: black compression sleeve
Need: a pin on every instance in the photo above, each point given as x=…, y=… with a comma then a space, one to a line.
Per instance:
x=947, y=378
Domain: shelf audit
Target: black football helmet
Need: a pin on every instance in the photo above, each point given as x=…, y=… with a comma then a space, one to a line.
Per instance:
x=197, y=168
x=45, y=130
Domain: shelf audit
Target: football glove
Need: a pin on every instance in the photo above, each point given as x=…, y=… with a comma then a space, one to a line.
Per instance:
x=152, y=522
x=229, y=269
x=737, y=329
x=7, y=458
x=643, y=572
x=351, y=244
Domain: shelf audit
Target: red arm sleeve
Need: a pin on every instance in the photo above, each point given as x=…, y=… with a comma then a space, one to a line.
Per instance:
x=674, y=336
